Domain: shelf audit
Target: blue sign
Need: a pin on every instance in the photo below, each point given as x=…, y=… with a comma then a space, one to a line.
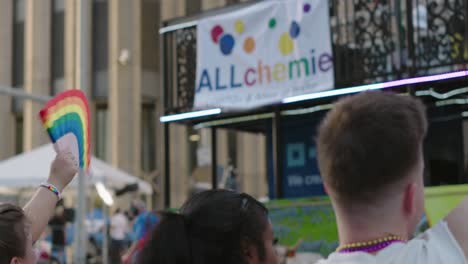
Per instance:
x=301, y=177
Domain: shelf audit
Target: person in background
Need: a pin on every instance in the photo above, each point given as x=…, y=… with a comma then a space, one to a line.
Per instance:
x=285, y=252
x=229, y=178
x=370, y=155
x=20, y=228
x=144, y=222
x=118, y=233
x=213, y=227
x=57, y=226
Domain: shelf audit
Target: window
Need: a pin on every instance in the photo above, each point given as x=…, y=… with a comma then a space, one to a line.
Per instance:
x=19, y=134
x=58, y=46
x=193, y=6
x=232, y=147
x=232, y=2
x=18, y=51
x=194, y=137
x=100, y=48
x=150, y=48
x=148, y=137
x=149, y=40
x=101, y=131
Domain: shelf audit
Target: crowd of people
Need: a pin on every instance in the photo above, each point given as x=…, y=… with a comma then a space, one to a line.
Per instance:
x=370, y=154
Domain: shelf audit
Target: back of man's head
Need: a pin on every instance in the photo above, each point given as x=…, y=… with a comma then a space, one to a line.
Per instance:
x=369, y=142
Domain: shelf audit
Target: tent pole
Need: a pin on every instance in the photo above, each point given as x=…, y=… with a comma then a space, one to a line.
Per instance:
x=80, y=231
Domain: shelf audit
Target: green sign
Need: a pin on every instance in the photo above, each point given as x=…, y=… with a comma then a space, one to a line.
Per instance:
x=443, y=199
x=313, y=220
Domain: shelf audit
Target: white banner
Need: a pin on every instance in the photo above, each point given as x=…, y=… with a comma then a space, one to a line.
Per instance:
x=262, y=54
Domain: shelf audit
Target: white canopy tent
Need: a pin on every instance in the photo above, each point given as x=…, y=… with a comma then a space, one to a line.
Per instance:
x=29, y=169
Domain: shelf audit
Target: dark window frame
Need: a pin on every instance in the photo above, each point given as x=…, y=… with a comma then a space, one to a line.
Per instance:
x=101, y=107
x=57, y=48
x=100, y=49
x=18, y=58
x=148, y=117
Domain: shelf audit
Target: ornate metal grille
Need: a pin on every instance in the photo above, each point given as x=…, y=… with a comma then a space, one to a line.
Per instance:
x=440, y=34
x=186, y=67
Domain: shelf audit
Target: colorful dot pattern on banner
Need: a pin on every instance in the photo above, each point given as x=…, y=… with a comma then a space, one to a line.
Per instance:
x=286, y=44
x=227, y=43
x=239, y=26
x=216, y=33
x=249, y=45
x=295, y=30
x=272, y=23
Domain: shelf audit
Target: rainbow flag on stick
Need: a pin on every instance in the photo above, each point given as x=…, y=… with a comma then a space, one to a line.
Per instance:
x=66, y=119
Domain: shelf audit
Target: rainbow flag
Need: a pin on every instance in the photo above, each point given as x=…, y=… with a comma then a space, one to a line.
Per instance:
x=66, y=119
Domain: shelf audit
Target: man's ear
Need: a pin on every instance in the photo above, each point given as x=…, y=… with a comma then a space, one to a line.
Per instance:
x=15, y=260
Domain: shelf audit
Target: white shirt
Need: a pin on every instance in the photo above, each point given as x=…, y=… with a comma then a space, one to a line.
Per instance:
x=437, y=245
x=119, y=227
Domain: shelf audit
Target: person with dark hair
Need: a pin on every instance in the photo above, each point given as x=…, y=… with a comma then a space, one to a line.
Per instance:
x=20, y=228
x=370, y=155
x=213, y=227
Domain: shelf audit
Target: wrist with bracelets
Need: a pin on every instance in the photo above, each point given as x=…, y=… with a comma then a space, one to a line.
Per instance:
x=52, y=188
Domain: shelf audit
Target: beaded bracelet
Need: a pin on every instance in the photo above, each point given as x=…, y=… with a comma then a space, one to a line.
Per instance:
x=52, y=188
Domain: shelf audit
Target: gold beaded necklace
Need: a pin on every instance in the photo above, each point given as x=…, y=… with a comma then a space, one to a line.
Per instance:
x=370, y=246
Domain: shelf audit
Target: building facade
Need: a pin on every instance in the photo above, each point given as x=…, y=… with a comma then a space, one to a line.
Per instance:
x=39, y=53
